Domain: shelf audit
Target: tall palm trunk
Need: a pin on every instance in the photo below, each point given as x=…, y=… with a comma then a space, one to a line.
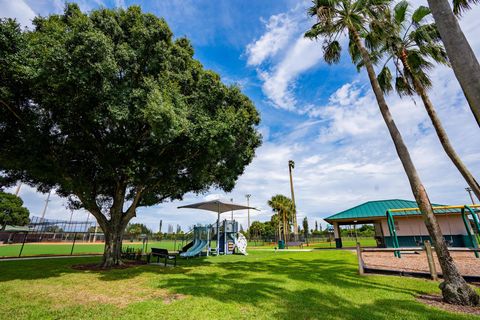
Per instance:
x=464, y=63
x=454, y=288
x=441, y=133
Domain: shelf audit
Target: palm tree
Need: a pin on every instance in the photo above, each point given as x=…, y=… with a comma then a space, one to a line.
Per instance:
x=464, y=63
x=334, y=18
x=412, y=44
x=282, y=205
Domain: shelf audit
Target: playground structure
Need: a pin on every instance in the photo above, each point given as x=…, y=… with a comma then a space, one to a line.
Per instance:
x=227, y=237
x=225, y=233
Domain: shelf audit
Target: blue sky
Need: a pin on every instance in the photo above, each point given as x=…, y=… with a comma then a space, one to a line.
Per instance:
x=323, y=117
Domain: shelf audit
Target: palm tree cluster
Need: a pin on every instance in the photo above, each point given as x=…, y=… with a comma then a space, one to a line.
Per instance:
x=405, y=44
x=284, y=215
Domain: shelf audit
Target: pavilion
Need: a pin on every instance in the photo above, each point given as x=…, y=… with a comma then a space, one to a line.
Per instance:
x=406, y=224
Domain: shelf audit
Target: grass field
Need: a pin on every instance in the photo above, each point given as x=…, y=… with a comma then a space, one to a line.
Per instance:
x=33, y=249
x=263, y=285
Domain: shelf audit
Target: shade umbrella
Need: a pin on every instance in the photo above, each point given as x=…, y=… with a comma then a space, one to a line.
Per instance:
x=218, y=206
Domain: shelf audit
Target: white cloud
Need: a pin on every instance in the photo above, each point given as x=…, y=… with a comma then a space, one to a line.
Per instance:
x=120, y=4
x=280, y=28
x=19, y=10
x=288, y=55
x=278, y=83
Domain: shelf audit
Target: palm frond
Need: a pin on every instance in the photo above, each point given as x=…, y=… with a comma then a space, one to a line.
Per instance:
x=420, y=13
x=385, y=80
x=402, y=87
x=400, y=11
x=332, y=51
x=436, y=52
x=459, y=6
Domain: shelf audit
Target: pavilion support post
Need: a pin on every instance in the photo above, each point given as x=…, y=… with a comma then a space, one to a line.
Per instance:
x=431, y=262
x=218, y=232
x=337, y=235
x=361, y=270
x=472, y=238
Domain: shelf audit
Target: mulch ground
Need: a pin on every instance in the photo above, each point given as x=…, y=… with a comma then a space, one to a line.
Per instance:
x=436, y=301
x=466, y=262
x=98, y=267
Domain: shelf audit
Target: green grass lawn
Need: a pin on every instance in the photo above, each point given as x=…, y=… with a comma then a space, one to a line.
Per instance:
x=347, y=243
x=34, y=249
x=263, y=285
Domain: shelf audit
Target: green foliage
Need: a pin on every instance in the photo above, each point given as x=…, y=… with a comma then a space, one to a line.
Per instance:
x=336, y=17
x=418, y=15
x=305, y=226
x=136, y=229
x=411, y=43
x=459, y=6
x=262, y=230
x=107, y=107
x=12, y=211
x=283, y=206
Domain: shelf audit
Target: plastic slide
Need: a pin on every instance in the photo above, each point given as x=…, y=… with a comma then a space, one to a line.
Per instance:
x=197, y=247
x=241, y=243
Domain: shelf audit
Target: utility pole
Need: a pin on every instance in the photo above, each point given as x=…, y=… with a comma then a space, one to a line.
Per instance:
x=46, y=205
x=469, y=190
x=231, y=200
x=291, y=165
x=248, y=209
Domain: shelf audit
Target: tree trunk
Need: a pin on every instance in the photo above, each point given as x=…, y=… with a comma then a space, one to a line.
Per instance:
x=454, y=288
x=462, y=58
x=442, y=134
x=113, y=244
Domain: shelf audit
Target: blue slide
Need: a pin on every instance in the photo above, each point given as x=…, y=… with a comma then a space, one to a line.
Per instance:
x=196, y=249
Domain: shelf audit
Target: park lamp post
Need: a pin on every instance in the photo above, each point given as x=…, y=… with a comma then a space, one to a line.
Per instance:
x=248, y=210
x=291, y=165
x=469, y=190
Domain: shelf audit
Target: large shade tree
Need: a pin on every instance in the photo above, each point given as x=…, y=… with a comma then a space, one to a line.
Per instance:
x=412, y=44
x=464, y=63
x=335, y=18
x=12, y=211
x=112, y=112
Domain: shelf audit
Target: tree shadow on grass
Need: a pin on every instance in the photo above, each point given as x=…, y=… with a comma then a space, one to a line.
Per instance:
x=51, y=268
x=313, y=304
x=338, y=292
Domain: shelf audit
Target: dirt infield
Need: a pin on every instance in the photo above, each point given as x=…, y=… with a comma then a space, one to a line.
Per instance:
x=466, y=262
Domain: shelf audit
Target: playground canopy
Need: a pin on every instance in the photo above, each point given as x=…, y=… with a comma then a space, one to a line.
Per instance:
x=218, y=206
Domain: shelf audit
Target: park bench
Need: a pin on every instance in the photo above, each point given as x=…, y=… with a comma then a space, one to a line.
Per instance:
x=295, y=244
x=162, y=253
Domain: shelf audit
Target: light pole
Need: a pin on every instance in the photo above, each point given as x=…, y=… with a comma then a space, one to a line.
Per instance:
x=231, y=200
x=17, y=191
x=291, y=165
x=46, y=205
x=469, y=190
x=248, y=209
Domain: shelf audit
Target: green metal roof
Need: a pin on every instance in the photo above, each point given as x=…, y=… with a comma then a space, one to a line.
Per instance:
x=9, y=228
x=379, y=208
